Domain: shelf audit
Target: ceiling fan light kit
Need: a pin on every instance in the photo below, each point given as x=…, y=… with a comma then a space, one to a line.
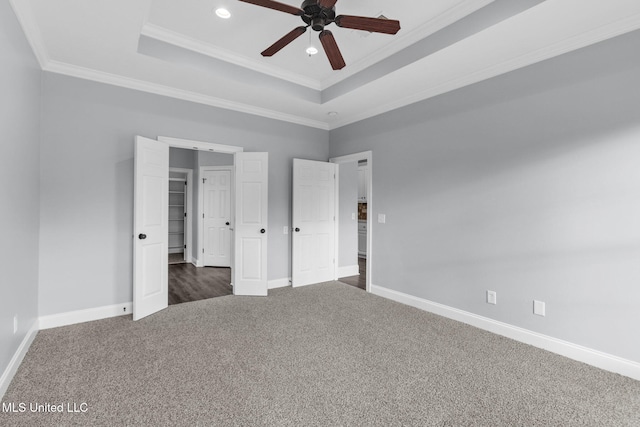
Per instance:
x=317, y=14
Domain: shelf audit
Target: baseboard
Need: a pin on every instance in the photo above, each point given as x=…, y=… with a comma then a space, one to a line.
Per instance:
x=88, y=315
x=279, y=283
x=573, y=351
x=16, y=360
x=348, y=271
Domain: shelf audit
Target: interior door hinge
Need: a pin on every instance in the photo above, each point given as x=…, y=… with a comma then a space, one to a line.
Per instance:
x=202, y=250
x=203, y=180
x=185, y=246
x=185, y=214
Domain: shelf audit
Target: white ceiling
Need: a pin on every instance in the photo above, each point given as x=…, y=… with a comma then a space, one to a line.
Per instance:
x=182, y=49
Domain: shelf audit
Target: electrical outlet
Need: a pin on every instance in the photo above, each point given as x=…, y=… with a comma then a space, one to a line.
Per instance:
x=539, y=308
x=15, y=324
x=382, y=218
x=353, y=215
x=492, y=297
x=285, y=230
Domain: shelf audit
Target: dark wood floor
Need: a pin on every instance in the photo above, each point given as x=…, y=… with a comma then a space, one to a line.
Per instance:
x=177, y=258
x=358, y=281
x=189, y=283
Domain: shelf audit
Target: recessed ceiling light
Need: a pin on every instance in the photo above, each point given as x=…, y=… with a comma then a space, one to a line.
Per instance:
x=311, y=50
x=223, y=13
x=332, y=113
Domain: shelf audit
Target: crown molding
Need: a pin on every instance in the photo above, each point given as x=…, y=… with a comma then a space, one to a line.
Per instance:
x=579, y=41
x=439, y=22
x=27, y=21
x=450, y=16
x=177, y=39
x=158, y=89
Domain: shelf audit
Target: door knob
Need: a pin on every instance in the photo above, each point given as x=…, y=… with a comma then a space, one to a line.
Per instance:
x=142, y=236
x=263, y=231
x=297, y=230
x=226, y=223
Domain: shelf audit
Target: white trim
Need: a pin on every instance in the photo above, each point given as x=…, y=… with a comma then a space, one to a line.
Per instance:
x=348, y=271
x=336, y=221
x=368, y=156
x=17, y=358
x=172, y=92
x=573, y=351
x=88, y=315
x=279, y=283
x=200, y=145
x=404, y=40
x=185, y=42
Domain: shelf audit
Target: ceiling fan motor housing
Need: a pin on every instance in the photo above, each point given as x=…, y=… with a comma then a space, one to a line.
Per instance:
x=317, y=16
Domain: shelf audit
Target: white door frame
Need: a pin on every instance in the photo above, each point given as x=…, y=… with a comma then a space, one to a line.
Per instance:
x=202, y=169
x=189, y=229
x=368, y=156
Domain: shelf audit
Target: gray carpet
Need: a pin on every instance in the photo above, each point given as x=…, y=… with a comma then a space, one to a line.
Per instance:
x=322, y=355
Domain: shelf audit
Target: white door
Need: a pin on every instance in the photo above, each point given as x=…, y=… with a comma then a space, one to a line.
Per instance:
x=217, y=217
x=250, y=243
x=150, y=255
x=313, y=252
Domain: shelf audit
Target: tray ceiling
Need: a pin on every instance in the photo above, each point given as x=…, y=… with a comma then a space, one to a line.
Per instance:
x=182, y=49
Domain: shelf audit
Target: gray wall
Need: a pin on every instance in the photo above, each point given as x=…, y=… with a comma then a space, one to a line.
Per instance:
x=527, y=184
x=88, y=131
x=19, y=193
x=182, y=158
x=348, y=243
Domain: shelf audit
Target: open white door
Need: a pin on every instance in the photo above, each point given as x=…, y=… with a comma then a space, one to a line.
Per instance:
x=313, y=252
x=150, y=253
x=250, y=242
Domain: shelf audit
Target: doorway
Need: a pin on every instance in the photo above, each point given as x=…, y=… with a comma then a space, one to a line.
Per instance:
x=208, y=273
x=151, y=209
x=355, y=212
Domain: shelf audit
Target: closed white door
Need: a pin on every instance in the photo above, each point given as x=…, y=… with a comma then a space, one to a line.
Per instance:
x=216, y=198
x=313, y=253
x=150, y=256
x=251, y=208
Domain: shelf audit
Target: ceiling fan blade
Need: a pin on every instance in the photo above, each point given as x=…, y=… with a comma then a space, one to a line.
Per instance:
x=288, y=38
x=327, y=3
x=270, y=4
x=331, y=49
x=374, y=25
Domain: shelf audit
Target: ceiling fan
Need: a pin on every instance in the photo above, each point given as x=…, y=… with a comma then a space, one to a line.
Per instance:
x=319, y=13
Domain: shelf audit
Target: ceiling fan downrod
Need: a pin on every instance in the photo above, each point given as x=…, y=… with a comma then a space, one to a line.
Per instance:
x=316, y=15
